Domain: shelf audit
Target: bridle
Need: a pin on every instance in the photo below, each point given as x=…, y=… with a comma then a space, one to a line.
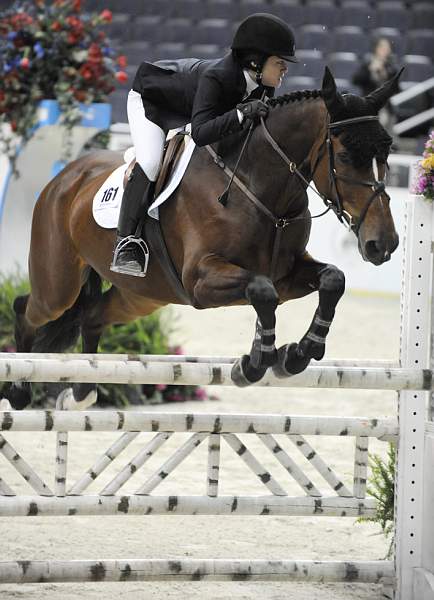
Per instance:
x=378, y=187
x=336, y=204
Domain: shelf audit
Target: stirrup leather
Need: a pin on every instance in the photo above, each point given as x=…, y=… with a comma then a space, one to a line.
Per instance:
x=142, y=245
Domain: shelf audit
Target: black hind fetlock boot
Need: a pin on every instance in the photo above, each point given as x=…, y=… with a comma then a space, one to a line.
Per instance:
x=131, y=253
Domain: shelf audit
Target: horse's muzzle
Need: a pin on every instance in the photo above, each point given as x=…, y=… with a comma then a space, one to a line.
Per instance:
x=379, y=251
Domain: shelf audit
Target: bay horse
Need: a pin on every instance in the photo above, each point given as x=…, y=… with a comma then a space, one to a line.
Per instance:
x=251, y=250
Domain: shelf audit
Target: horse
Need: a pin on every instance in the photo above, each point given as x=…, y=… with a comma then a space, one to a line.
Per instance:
x=249, y=249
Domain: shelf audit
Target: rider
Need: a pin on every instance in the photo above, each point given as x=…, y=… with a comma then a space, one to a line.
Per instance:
x=217, y=96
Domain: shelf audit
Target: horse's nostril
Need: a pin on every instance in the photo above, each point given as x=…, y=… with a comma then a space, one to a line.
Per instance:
x=373, y=248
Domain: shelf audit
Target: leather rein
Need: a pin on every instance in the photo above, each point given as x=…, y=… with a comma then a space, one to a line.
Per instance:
x=336, y=205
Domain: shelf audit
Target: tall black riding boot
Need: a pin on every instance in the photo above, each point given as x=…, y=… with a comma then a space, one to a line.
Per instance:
x=129, y=255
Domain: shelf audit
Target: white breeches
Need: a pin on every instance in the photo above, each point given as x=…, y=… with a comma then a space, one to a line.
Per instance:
x=148, y=138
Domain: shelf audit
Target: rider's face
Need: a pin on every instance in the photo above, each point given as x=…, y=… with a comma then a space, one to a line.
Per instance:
x=273, y=71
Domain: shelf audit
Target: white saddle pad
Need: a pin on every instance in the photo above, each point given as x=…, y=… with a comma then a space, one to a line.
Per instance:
x=108, y=199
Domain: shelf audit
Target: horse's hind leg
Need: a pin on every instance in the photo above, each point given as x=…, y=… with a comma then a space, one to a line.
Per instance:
x=19, y=393
x=114, y=306
x=308, y=276
x=46, y=320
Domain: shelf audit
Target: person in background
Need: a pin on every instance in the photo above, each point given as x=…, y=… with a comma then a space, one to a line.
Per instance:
x=219, y=97
x=376, y=70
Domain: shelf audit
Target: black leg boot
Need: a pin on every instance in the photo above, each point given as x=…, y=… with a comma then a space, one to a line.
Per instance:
x=130, y=251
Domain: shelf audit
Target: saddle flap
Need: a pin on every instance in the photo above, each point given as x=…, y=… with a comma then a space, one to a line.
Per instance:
x=173, y=151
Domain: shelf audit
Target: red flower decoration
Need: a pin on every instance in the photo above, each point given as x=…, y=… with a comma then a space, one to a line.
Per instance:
x=25, y=63
x=86, y=71
x=106, y=15
x=122, y=61
x=121, y=76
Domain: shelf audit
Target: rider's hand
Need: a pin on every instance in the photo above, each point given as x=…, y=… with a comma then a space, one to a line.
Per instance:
x=253, y=110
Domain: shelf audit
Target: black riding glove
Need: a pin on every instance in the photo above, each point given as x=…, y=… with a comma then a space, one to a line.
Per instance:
x=253, y=110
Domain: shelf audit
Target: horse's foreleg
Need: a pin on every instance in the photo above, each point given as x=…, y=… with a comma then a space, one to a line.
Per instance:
x=220, y=283
x=308, y=276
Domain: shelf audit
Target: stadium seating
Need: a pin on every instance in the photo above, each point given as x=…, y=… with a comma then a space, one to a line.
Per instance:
x=350, y=38
x=343, y=64
x=356, y=12
x=423, y=15
x=417, y=68
x=339, y=33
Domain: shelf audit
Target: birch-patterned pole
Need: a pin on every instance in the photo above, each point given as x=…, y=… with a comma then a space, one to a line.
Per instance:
x=134, y=504
x=317, y=462
x=184, y=373
x=361, y=466
x=138, y=461
x=289, y=465
x=95, y=420
x=195, y=570
x=254, y=465
x=171, y=463
x=61, y=452
x=23, y=468
x=103, y=462
x=213, y=465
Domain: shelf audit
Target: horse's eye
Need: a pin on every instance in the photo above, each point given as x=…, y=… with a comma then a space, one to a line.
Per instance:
x=344, y=157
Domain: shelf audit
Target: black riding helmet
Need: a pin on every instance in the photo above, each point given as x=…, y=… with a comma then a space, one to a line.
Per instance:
x=266, y=34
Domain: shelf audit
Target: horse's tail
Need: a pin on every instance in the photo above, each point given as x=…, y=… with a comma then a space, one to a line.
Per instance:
x=63, y=333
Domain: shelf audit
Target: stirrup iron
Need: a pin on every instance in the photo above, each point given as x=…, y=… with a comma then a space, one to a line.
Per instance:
x=142, y=246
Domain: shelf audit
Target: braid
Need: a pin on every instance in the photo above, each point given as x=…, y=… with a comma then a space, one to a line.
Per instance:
x=294, y=97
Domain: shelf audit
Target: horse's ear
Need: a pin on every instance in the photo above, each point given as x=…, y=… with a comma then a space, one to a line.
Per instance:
x=332, y=98
x=378, y=98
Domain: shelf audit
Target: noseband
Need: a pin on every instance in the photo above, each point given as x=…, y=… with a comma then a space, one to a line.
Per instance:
x=336, y=205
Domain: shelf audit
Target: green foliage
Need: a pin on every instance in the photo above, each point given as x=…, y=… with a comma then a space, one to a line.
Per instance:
x=382, y=487
x=10, y=287
x=149, y=335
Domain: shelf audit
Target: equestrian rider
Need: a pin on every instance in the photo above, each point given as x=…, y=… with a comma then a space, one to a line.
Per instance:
x=219, y=97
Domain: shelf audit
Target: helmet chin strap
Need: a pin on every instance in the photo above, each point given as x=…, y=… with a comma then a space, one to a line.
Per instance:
x=258, y=73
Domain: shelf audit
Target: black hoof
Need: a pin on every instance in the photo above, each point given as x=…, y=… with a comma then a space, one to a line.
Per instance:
x=289, y=362
x=18, y=394
x=243, y=374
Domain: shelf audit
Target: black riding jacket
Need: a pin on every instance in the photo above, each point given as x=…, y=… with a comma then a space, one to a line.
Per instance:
x=203, y=92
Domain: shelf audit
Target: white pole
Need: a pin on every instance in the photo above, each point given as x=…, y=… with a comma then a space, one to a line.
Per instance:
x=415, y=349
x=195, y=570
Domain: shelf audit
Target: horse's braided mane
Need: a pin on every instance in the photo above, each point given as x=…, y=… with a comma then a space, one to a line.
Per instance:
x=294, y=97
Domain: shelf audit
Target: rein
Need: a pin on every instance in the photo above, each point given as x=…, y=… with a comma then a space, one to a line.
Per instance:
x=336, y=205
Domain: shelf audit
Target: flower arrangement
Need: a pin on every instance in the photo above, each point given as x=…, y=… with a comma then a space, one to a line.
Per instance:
x=424, y=183
x=50, y=50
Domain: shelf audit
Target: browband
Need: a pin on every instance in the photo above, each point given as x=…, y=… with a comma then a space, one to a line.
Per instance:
x=354, y=120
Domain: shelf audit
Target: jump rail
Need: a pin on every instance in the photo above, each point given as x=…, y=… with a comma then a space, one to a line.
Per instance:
x=134, y=370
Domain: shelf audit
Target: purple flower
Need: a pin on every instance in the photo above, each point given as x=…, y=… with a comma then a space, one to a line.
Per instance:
x=39, y=50
x=200, y=394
